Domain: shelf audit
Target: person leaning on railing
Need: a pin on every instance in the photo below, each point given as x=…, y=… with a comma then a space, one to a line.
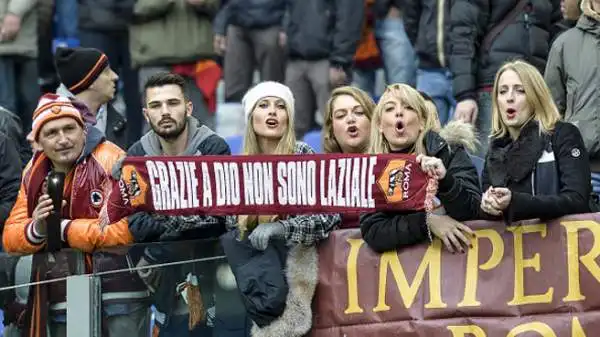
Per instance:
x=65, y=144
x=402, y=124
x=537, y=166
x=346, y=129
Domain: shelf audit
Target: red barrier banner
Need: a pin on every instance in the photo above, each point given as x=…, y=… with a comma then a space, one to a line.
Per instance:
x=223, y=185
x=531, y=279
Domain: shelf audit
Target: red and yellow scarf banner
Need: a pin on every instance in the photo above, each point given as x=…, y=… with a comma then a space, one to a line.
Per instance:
x=291, y=184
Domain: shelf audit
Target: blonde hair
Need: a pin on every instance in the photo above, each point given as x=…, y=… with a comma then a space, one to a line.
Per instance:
x=286, y=146
x=537, y=94
x=330, y=144
x=408, y=96
x=434, y=120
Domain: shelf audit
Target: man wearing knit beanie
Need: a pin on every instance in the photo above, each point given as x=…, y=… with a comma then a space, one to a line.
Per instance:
x=66, y=145
x=86, y=76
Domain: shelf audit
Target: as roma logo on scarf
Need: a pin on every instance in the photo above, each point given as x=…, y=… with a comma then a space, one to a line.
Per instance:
x=132, y=186
x=394, y=181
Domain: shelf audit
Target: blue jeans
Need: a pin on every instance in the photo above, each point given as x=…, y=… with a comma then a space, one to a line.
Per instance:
x=366, y=79
x=437, y=83
x=398, y=54
x=65, y=19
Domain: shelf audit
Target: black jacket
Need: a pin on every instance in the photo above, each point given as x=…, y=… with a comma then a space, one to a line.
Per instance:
x=459, y=193
x=250, y=14
x=116, y=127
x=325, y=29
x=541, y=188
x=105, y=15
x=10, y=125
x=10, y=176
x=426, y=24
x=475, y=63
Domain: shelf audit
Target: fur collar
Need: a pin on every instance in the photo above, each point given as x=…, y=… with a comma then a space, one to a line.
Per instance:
x=515, y=160
x=458, y=133
x=302, y=275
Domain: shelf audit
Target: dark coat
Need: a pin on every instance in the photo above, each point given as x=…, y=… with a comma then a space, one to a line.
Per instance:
x=475, y=63
x=550, y=187
x=105, y=15
x=325, y=29
x=250, y=14
x=426, y=25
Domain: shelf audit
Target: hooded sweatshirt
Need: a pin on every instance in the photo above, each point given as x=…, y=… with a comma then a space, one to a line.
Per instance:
x=146, y=227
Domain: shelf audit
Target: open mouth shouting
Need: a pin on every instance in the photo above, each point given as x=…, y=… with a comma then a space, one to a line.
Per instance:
x=272, y=123
x=400, y=127
x=511, y=113
x=352, y=131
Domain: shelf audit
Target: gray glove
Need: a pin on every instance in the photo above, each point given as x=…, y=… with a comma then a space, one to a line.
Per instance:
x=260, y=236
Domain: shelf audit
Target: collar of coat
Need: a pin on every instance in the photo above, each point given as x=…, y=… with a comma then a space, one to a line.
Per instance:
x=510, y=160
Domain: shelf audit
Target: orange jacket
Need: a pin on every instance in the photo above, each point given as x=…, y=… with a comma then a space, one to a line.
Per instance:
x=81, y=225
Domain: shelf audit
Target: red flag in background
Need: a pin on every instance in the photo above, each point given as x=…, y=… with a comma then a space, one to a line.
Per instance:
x=206, y=75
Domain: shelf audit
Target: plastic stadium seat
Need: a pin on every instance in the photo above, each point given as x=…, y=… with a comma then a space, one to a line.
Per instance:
x=314, y=139
x=236, y=143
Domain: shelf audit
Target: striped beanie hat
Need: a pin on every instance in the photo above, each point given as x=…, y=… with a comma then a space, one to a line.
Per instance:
x=50, y=107
x=79, y=67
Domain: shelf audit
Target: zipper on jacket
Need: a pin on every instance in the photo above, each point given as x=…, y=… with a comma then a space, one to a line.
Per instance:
x=441, y=4
x=526, y=17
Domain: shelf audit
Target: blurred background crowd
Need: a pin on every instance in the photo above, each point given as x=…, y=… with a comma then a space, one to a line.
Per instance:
x=449, y=50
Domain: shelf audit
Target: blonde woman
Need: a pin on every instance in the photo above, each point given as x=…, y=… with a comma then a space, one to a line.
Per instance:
x=537, y=166
x=269, y=108
x=347, y=128
x=401, y=124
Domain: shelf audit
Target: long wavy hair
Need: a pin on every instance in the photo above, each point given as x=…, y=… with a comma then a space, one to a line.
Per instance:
x=537, y=94
x=330, y=144
x=408, y=96
x=286, y=146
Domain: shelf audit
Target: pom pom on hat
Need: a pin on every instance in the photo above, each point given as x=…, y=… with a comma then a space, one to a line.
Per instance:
x=51, y=107
x=267, y=89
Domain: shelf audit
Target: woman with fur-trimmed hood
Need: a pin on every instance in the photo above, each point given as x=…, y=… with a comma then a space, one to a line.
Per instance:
x=269, y=110
x=402, y=123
